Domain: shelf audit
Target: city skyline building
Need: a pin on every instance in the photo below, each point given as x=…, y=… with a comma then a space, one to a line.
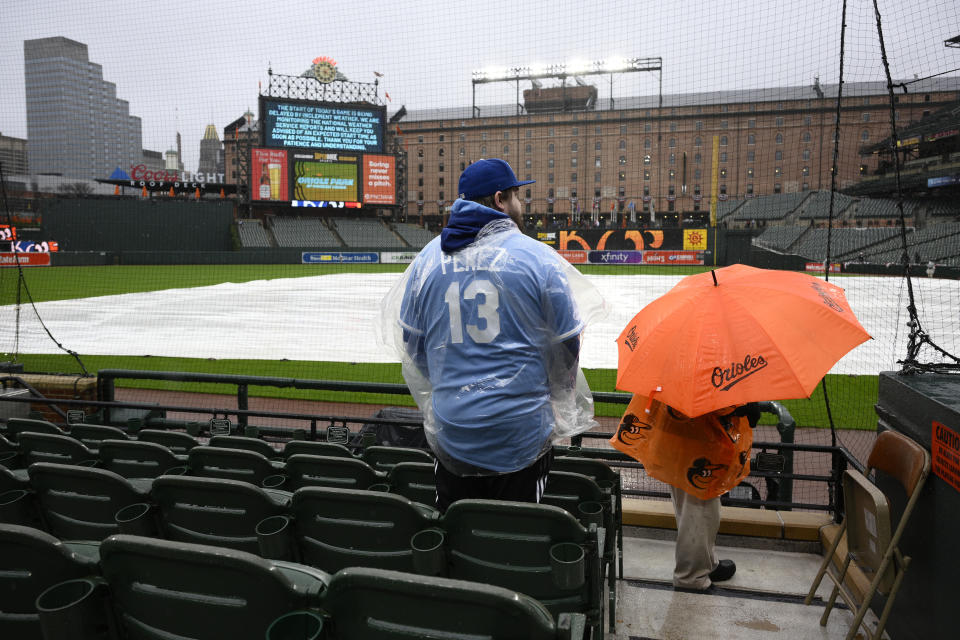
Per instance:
x=211, y=152
x=77, y=127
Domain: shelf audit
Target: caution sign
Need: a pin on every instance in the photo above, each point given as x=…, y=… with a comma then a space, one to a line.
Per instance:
x=945, y=454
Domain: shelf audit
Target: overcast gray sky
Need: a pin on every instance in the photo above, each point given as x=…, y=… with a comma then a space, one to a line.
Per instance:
x=182, y=65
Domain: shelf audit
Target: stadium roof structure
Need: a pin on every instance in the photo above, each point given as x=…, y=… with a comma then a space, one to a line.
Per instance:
x=769, y=94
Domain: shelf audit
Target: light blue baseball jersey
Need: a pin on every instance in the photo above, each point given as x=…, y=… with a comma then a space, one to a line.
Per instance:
x=492, y=318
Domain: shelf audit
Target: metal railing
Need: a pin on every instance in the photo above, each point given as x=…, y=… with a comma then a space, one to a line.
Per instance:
x=779, y=477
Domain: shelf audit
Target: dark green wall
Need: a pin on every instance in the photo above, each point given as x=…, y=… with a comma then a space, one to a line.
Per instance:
x=93, y=224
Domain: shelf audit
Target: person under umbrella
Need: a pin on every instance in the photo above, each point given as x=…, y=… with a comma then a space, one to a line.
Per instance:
x=698, y=358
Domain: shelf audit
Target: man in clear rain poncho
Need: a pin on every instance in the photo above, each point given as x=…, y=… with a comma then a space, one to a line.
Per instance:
x=487, y=324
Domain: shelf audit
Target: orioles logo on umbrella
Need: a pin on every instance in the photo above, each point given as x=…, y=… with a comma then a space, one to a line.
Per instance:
x=631, y=339
x=701, y=473
x=632, y=430
x=827, y=299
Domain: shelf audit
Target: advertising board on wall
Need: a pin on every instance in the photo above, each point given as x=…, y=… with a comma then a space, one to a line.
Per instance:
x=24, y=259
x=324, y=176
x=379, y=180
x=269, y=172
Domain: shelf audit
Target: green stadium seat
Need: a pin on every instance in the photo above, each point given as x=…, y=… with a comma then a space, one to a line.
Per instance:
x=304, y=470
x=391, y=605
x=247, y=444
x=314, y=448
x=415, y=481
x=16, y=426
x=91, y=435
x=177, y=441
x=213, y=511
x=79, y=503
x=337, y=528
x=580, y=495
x=60, y=449
x=509, y=544
x=32, y=561
x=231, y=464
x=165, y=589
x=384, y=458
x=135, y=459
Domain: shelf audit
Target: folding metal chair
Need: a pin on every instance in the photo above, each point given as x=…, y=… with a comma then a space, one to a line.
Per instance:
x=867, y=529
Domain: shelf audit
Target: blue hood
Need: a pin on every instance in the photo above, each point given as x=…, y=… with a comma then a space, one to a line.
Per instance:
x=466, y=220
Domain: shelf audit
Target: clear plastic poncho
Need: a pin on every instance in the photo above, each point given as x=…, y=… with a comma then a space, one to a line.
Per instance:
x=488, y=338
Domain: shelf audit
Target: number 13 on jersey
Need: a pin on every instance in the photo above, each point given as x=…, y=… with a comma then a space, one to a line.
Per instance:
x=487, y=310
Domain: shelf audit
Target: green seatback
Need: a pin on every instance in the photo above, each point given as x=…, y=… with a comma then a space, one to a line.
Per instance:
x=230, y=464
x=507, y=544
x=315, y=448
x=304, y=470
x=415, y=481
x=16, y=426
x=162, y=589
x=247, y=444
x=390, y=605
x=567, y=490
x=49, y=447
x=337, y=528
x=212, y=511
x=78, y=503
x=135, y=459
x=91, y=435
x=32, y=561
x=177, y=441
x=383, y=458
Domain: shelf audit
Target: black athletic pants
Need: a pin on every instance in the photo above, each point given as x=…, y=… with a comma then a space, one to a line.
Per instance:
x=525, y=485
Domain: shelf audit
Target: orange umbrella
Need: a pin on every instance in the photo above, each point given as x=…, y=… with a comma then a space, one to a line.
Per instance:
x=735, y=335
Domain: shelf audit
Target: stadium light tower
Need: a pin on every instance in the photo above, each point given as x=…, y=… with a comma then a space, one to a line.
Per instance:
x=562, y=71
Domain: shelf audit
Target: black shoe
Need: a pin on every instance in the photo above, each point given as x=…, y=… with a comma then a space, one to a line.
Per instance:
x=709, y=589
x=723, y=571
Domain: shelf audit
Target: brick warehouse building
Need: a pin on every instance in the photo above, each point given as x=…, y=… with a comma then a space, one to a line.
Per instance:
x=768, y=141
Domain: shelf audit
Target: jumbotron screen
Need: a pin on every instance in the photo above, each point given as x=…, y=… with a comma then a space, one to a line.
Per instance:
x=319, y=176
x=313, y=125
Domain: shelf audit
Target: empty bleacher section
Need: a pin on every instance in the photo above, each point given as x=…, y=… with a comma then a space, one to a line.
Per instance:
x=884, y=209
x=844, y=243
x=252, y=233
x=366, y=233
x=942, y=208
x=818, y=205
x=727, y=207
x=768, y=208
x=779, y=238
x=414, y=235
x=939, y=243
x=303, y=232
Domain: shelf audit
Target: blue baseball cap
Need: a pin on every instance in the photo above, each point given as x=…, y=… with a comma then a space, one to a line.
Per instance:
x=486, y=177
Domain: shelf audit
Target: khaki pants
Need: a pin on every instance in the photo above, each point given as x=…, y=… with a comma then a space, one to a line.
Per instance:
x=697, y=524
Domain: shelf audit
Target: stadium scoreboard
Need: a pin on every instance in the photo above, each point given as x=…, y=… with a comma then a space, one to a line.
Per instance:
x=316, y=154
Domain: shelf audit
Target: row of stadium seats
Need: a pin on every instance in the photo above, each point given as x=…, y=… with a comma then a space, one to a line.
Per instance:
x=137, y=587
x=584, y=487
x=332, y=233
x=810, y=205
x=939, y=242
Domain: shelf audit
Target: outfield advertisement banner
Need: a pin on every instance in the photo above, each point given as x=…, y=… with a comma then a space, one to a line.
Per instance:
x=322, y=257
x=633, y=257
x=673, y=257
x=626, y=239
x=25, y=259
x=397, y=257
x=818, y=266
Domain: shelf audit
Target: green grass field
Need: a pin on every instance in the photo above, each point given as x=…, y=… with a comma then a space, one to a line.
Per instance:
x=851, y=397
